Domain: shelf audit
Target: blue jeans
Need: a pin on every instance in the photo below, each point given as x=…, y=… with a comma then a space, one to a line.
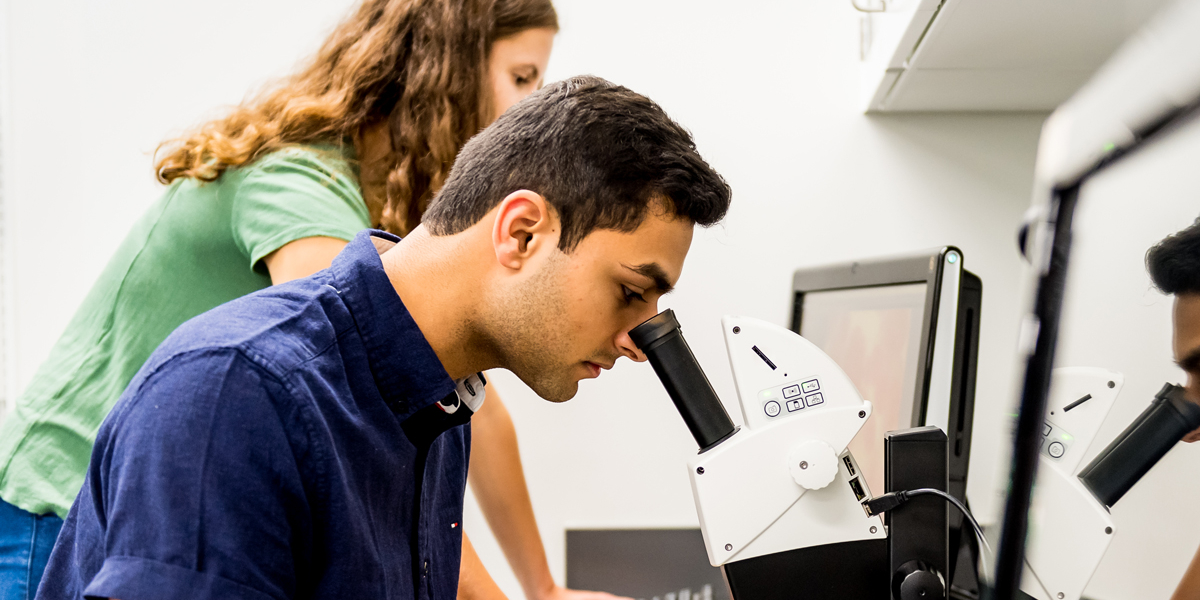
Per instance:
x=26, y=540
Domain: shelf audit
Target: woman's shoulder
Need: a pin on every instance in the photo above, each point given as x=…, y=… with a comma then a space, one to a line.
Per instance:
x=326, y=160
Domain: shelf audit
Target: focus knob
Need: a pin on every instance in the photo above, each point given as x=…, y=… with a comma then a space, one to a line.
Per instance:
x=813, y=464
x=915, y=580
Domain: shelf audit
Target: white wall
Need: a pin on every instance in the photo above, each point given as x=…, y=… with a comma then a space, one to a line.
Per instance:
x=7, y=341
x=768, y=88
x=95, y=86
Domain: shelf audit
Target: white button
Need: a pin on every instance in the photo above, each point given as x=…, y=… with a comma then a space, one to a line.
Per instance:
x=1045, y=429
x=772, y=408
x=814, y=399
x=1056, y=449
x=811, y=385
x=791, y=391
x=794, y=405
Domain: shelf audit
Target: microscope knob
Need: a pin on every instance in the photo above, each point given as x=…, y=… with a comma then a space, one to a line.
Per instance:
x=813, y=464
x=915, y=580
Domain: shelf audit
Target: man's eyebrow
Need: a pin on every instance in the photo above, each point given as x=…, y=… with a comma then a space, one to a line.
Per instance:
x=1191, y=362
x=655, y=272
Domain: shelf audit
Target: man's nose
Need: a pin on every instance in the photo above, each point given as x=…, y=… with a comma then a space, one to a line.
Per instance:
x=625, y=343
x=628, y=348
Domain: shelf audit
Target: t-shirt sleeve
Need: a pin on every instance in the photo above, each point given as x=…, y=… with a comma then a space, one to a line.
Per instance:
x=200, y=493
x=292, y=194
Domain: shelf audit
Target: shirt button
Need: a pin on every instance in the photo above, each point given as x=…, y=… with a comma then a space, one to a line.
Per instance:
x=426, y=566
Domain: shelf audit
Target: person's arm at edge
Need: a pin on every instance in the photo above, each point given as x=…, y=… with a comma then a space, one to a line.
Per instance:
x=496, y=477
x=474, y=582
x=1189, y=586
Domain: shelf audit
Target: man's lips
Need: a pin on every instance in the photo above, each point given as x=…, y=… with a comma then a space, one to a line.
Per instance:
x=595, y=368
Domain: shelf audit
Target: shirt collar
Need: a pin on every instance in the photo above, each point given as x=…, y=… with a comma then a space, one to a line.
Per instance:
x=407, y=371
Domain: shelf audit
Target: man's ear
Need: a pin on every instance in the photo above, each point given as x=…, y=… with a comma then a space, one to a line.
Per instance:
x=525, y=224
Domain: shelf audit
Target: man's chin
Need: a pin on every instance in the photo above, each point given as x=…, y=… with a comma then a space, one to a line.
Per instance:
x=545, y=385
x=556, y=392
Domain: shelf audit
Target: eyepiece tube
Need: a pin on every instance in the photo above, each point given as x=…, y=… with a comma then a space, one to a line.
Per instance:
x=1123, y=463
x=663, y=344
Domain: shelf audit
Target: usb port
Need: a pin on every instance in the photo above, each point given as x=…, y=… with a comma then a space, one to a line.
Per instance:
x=849, y=465
x=858, y=489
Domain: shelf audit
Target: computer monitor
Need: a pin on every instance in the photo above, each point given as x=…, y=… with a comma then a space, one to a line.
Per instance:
x=905, y=329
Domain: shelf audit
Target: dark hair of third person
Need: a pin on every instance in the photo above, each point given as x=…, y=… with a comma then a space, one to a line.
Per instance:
x=1174, y=263
x=600, y=154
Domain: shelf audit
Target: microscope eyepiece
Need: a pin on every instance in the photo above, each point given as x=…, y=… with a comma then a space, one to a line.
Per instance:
x=1169, y=417
x=655, y=330
x=661, y=340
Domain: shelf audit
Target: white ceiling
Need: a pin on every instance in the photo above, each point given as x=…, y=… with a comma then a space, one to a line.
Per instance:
x=1012, y=55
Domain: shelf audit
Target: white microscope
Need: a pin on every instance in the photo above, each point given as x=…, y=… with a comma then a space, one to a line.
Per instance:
x=781, y=500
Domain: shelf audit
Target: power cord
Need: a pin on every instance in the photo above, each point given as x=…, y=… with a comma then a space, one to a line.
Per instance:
x=891, y=500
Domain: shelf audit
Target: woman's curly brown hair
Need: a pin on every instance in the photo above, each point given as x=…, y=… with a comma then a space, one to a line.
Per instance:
x=420, y=66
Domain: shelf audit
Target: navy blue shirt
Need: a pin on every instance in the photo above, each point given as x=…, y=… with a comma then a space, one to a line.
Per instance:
x=287, y=444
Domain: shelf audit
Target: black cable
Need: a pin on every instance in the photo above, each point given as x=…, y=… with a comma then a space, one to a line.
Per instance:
x=891, y=500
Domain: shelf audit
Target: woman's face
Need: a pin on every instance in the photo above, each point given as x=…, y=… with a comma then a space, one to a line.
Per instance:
x=517, y=66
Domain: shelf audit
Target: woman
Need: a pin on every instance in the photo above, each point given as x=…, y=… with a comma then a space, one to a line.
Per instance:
x=363, y=136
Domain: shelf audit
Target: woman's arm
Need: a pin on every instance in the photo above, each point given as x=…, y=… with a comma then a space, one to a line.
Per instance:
x=301, y=258
x=498, y=481
x=474, y=583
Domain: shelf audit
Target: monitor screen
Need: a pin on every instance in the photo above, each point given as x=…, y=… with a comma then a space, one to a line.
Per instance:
x=874, y=335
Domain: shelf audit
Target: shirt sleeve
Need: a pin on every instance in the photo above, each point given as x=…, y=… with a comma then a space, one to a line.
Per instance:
x=199, y=492
x=292, y=194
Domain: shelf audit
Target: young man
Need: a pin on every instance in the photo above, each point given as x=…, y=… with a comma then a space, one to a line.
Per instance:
x=310, y=440
x=1174, y=266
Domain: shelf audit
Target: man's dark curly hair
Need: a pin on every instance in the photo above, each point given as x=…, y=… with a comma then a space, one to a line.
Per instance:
x=599, y=153
x=1174, y=263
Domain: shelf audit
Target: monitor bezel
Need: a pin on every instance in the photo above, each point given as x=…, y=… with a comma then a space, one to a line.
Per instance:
x=924, y=267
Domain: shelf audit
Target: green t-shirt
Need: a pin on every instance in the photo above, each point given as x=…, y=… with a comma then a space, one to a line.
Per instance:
x=199, y=246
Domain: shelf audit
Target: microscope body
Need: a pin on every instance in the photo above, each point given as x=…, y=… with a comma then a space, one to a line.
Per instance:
x=783, y=481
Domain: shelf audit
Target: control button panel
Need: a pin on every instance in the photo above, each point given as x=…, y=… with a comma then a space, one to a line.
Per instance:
x=1055, y=441
x=794, y=396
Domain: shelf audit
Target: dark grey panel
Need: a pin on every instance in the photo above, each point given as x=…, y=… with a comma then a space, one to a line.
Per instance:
x=667, y=564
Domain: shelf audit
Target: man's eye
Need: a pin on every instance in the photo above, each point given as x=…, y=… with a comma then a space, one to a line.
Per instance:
x=631, y=295
x=521, y=81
